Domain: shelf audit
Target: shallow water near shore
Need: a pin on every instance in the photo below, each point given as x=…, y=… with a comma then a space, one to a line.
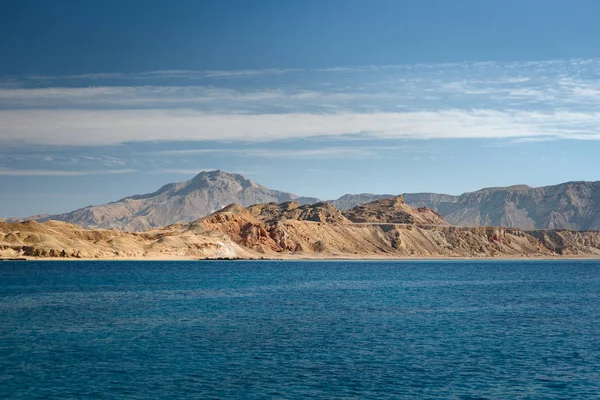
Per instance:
x=273, y=329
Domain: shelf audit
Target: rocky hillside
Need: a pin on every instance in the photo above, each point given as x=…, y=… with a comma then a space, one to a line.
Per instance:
x=176, y=202
x=300, y=238
x=393, y=211
x=571, y=205
x=290, y=230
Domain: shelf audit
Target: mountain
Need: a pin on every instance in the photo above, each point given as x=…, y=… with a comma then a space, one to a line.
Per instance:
x=291, y=230
x=176, y=202
x=571, y=205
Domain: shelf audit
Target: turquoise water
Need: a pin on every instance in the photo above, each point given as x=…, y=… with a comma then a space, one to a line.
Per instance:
x=171, y=330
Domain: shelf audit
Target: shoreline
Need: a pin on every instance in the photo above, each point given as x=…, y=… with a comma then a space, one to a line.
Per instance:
x=341, y=258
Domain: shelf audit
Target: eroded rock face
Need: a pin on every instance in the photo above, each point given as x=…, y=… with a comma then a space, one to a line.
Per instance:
x=288, y=229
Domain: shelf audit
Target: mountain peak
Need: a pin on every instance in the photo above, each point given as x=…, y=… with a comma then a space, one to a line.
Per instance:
x=218, y=177
x=398, y=200
x=214, y=173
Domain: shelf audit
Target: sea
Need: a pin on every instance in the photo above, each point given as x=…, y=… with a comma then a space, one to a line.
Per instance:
x=300, y=330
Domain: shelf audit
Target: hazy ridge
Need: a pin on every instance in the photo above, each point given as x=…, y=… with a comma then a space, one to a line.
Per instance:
x=570, y=205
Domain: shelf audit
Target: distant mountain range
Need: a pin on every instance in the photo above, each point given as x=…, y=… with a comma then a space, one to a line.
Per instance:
x=571, y=205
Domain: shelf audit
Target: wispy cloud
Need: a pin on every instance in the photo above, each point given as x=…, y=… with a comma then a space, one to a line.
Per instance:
x=166, y=74
x=315, y=153
x=527, y=84
x=556, y=99
x=472, y=67
x=195, y=97
x=48, y=172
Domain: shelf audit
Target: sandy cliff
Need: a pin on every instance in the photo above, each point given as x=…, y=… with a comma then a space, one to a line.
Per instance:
x=301, y=237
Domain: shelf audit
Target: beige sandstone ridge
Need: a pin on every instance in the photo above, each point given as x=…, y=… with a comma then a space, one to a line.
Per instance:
x=389, y=229
x=57, y=239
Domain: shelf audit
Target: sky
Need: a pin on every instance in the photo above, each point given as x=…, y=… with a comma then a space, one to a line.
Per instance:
x=101, y=100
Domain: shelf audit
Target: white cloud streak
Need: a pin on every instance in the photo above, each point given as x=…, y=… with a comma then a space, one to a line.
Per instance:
x=316, y=153
x=166, y=74
x=110, y=127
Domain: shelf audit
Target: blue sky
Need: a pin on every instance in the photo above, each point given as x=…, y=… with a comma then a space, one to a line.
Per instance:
x=317, y=98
